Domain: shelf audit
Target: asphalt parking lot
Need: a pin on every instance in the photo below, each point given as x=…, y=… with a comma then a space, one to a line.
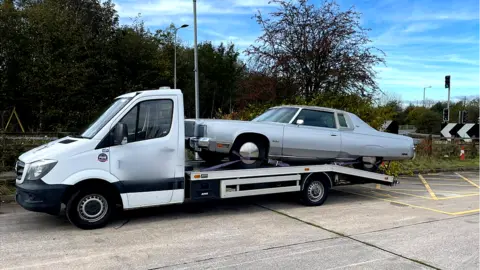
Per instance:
x=426, y=222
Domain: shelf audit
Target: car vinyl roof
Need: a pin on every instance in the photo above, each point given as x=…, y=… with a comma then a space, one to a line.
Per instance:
x=316, y=108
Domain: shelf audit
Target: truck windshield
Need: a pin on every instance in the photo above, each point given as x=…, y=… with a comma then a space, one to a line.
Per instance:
x=278, y=115
x=94, y=128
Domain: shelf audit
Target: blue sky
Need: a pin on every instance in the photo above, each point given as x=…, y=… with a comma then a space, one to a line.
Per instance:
x=424, y=40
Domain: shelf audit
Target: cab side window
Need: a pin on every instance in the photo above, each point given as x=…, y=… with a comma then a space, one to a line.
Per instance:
x=130, y=120
x=155, y=119
x=149, y=120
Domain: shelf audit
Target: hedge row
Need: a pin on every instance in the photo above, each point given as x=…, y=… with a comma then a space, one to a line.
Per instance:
x=11, y=149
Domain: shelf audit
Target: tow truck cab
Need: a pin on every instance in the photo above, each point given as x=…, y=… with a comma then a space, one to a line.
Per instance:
x=133, y=154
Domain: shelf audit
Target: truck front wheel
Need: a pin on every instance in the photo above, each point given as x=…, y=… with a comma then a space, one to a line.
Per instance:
x=89, y=209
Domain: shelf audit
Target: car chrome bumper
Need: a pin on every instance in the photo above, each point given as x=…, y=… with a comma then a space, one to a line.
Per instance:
x=197, y=144
x=204, y=143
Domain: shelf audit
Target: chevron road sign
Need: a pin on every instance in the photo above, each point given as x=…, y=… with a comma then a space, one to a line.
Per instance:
x=446, y=130
x=474, y=131
x=464, y=131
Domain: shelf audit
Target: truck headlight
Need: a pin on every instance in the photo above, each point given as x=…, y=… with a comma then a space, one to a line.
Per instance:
x=39, y=169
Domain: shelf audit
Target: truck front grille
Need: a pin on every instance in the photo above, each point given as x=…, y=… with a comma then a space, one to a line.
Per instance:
x=19, y=169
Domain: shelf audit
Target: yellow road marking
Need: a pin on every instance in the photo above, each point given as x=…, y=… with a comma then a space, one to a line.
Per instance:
x=427, y=186
x=415, y=206
x=459, y=196
x=381, y=194
x=468, y=180
x=449, y=191
x=402, y=203
x=408, y=194
x=441, y=179
x=453, y=185
x=433, y=179
x=466, y=212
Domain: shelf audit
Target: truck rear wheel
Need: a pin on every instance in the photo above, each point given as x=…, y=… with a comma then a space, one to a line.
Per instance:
x=90, y=209
x=314, y=193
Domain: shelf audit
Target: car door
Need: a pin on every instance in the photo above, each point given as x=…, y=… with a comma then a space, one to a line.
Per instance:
x=145, y=162
x=316, y=138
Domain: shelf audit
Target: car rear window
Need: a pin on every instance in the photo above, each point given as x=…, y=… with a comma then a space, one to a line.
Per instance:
x=342, y=121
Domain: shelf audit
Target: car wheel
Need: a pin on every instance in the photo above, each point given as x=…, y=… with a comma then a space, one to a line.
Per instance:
x=89, y=209
x=249, y=148
x=210, y=157
x=314, y=193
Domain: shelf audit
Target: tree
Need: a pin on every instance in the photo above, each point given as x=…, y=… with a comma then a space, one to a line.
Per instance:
x=316, y=49
x=425, y=120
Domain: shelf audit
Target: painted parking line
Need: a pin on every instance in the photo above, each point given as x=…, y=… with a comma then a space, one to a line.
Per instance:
x=415, y=206
x=383, y=194
x=468, y=180
x=469, y=194
x=442, y=179
x=450, y=185
x=427, y=186
x=459, y=196
x=437, y=190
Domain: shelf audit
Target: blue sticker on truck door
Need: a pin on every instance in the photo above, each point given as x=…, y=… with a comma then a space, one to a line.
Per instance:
x=102, y=157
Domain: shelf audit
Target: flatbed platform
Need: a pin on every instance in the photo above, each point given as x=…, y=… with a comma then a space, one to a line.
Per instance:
x=228, y=182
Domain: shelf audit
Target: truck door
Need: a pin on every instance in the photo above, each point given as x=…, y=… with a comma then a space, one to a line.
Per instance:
x=145, y=161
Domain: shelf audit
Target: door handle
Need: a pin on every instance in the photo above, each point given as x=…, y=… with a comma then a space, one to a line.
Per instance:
x=167, y=149
x=333, y=134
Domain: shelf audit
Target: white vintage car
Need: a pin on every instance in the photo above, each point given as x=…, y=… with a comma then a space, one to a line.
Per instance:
x=292, y=134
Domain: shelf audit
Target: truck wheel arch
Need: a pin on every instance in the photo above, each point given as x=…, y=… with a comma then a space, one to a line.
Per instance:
x=323, y=176
x=112, y=188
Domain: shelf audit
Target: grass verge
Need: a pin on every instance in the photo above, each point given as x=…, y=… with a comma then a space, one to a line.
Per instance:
x=6, y=189
x=430, y=164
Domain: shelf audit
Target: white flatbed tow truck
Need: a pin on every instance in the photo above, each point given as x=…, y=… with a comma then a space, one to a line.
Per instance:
x=133, y=156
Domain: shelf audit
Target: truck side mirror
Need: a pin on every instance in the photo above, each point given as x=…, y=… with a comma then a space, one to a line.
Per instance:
x=300, y=122
x=120, y=134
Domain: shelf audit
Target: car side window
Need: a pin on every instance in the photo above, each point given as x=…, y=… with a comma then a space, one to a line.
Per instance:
x=342, y=121
x=317, y=118
x=149, y=119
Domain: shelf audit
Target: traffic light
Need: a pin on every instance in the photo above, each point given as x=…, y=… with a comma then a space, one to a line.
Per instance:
x=464, y=117
x=445, y=115
x=447, y=81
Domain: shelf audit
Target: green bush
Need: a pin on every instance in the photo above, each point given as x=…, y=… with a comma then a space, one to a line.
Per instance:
x=11, y=149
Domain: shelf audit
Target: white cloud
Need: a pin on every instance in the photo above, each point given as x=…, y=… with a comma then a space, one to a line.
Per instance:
x=394, y=36
x=420, y=27
x=185, y=7
x=253, y=3
x=418, y=78
x=454, y=15
x=420, y=60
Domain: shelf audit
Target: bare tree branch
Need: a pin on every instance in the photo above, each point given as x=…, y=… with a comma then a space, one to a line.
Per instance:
x=320, y=49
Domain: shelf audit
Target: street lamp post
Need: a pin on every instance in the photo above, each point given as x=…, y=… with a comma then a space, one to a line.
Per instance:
x=195, y=60
x=175, y=55
x=424, y=94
